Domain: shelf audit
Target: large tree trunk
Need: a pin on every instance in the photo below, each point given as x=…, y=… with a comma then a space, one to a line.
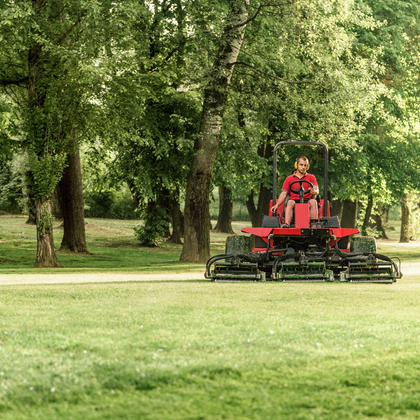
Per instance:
x=405, y=220
x=72, y=206
x=45, y=256
x=197, y=217
x=224, y=219
x=349, y=217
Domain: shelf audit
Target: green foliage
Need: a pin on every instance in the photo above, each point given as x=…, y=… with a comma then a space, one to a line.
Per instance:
x=298, y=78
x=153, y=117
x=109, y=204
x=154, y=228
x=45, y=220
x=9, y=133
x=11, y=190
x=386, y=152
x=47, y=172
x=128, y=78
x=414, y=206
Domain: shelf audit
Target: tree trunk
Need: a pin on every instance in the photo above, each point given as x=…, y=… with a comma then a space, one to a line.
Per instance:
x=134, y=193
x=349, y=217
x=177, y=223
x=368, y=214
x=405, y=220
x=336, y=206
x=30, y=200
x=72, y=206
x=57, y=205
x=256, y=212
x=380, y=225
x=379, y=222
x=252, y=209
x=264, y=198
x=163, y=200
x=197, y=235
x=45, y=256
x=224, y=219
x=265, y=150
x=31, y=209
x=385, y=214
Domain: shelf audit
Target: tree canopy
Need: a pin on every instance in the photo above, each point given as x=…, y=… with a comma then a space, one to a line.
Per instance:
x=134, y=82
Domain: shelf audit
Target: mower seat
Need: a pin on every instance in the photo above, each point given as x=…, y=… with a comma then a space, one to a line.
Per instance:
x=330, y=222
x=270, y=221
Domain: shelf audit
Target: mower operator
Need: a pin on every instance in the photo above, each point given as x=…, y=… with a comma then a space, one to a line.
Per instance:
x=301, y=166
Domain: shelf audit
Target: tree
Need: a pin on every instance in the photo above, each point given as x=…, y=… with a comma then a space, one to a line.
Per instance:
x=48, y=67
x=297, y=78
x=392, y=129
x=197, y=237
x=152, y=109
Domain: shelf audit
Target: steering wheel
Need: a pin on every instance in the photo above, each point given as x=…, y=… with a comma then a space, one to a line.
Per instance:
x=301, y=191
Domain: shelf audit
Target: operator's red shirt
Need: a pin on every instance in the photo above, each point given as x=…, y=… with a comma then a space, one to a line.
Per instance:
x=306, y=186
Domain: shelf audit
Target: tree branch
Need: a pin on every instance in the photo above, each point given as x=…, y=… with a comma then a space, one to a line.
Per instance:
x=273, y=76
x=17, y=82
x=248, y=20
x=241, y=63
x=251, y=18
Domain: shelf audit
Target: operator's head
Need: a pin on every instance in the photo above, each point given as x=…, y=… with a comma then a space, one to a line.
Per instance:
x=302, y=164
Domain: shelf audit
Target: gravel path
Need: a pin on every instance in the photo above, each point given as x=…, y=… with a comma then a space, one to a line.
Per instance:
x=10, y=279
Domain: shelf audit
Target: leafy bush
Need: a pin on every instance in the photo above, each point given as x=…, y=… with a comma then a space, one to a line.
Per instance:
x=11, y=191
x=155, y=228
x=109, y=205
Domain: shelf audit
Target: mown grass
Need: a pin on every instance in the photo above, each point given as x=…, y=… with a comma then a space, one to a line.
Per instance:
x=203, y=350
x=111, y=244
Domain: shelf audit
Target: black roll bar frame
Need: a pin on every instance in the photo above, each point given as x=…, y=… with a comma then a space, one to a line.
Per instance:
x=302, y=143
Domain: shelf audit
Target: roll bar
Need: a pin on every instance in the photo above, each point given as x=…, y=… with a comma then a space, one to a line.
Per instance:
x=314, y=143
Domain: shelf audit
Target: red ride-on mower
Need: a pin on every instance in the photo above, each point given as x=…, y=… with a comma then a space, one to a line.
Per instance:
x=300, y=252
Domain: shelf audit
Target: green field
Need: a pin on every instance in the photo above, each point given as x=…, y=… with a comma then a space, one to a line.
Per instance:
x=130, y=333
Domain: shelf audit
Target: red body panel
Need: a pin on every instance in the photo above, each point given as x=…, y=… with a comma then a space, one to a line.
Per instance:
x=264, y=232
x=301, y=215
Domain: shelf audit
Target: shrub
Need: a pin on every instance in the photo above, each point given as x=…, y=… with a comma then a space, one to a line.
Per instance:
x=155, y=227
x=109, y=205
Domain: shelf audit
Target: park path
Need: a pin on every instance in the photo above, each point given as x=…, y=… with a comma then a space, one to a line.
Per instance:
x=408, y=269
x=59, y=278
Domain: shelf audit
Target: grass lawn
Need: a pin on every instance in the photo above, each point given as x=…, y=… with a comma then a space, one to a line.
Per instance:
x=177, y=348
